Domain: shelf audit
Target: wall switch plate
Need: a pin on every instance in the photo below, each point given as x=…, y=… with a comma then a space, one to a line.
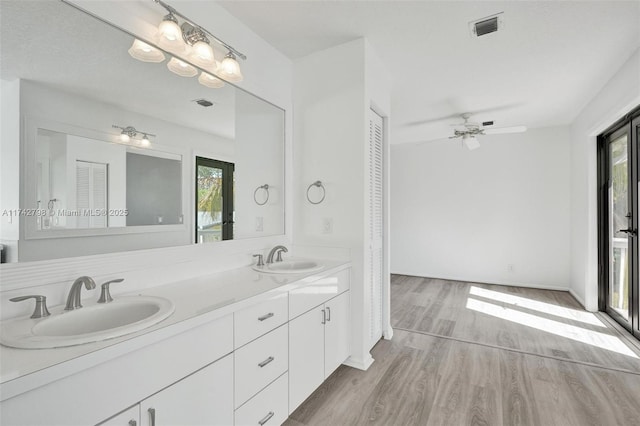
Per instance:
x=327, y=225
x=259, y=224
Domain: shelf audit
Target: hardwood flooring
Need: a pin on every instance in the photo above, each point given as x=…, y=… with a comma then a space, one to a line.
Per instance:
x=449, y=364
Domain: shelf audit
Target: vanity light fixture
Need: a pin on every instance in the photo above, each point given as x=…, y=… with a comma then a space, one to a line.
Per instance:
x=210, y=81
x=197, y=40
x=230, y=68
x=129, y=132
x=181, y=68
x=145, y=53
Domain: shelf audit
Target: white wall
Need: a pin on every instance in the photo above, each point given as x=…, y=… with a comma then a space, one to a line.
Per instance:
x=618, y=97
x=9, y=167
x=331, y=134
x=467, y=215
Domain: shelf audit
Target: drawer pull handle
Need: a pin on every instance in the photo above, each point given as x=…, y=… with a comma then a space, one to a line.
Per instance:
x=264, y=317
x=328, y=314
x=152, y=416
x=266, y=418
x=266, y=361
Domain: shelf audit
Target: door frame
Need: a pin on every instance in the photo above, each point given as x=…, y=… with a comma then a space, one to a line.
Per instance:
x=625, y=125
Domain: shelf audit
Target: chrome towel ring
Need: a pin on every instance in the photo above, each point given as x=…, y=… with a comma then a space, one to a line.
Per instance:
x=265, y=187
x=319, y=185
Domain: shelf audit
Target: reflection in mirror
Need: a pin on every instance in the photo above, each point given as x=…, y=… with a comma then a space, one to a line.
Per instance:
x=70, y=89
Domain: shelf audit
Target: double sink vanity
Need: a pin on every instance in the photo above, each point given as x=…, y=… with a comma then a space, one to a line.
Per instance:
x=243, y=346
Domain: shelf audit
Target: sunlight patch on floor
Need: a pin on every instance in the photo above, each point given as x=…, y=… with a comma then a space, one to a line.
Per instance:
x=547, y=308
x=594, y=338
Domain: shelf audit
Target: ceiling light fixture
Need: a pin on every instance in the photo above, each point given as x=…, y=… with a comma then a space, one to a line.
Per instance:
x=129, y=132
x=470, y=142
x=145, y=53
x=170, y=34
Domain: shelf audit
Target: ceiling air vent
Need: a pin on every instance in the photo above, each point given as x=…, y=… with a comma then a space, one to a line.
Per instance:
x=487, y=25
x=203, y=102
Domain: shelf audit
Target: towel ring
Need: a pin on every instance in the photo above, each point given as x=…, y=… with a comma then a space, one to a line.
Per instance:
x=255, y=193
x=319, y=185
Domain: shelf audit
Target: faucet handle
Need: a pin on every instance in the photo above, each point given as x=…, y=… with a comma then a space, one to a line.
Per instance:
x=105, y=295
x=41, y=305
x=260, y=259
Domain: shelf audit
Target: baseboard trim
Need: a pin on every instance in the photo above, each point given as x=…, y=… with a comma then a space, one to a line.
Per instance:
x=579, y=299
x=536, y=286
x=358, y=363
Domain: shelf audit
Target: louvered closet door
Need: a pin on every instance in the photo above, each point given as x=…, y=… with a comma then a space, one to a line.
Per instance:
x=91, y=194
x=376, y=224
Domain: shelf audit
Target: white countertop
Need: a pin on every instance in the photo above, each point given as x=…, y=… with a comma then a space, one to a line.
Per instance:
x=197, y=301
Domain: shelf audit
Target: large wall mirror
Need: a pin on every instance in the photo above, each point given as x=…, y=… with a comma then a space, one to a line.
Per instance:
x=117, y=154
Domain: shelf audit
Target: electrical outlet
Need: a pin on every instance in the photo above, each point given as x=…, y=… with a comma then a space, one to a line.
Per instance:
x=259, y=224
x=327, y=225
x=510, y=268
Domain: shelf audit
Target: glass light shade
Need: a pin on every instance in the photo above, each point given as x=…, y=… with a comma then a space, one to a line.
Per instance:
x=170, y=35
x=470, y=142
x=202, y=54
x=208, y=80
x=124, y=137
x=145, y=53
x=181, y=68
x=145, y=141
x=229, y=69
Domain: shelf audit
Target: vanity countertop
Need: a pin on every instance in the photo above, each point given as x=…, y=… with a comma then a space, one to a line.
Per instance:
x=197, y=301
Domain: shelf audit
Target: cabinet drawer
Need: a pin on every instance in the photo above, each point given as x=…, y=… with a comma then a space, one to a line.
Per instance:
x=317, y=292
x=260, y=362
x=268, y=408
x=256, y=320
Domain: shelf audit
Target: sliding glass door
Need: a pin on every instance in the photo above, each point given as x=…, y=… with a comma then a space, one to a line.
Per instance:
x=619, y=210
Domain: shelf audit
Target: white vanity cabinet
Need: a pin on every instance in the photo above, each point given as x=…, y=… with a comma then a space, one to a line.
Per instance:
x=130, y=417
x=202, y=398
x=318, y=344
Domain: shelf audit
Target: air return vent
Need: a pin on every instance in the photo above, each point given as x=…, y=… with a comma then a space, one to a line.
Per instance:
x=488, y=25
x=203, y=102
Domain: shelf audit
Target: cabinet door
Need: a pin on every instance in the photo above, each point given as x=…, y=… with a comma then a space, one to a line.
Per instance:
x=130, y=417
x=337, y=333
x=204, y=398
x=306, y=355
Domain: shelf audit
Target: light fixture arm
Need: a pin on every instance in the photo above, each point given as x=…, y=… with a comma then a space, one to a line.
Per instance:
x=132, y=131
x=171, y=10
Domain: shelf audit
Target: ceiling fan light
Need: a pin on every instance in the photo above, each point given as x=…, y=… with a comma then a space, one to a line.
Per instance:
x=229, y=69
x=210, y=81
x=145, y=53
x=470, y=142
x=181, y=68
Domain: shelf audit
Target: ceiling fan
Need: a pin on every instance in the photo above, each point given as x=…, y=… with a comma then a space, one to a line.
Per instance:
x=469, y=130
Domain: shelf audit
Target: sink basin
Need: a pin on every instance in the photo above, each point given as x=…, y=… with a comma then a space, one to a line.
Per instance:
x=290, y=266
x=89, y=324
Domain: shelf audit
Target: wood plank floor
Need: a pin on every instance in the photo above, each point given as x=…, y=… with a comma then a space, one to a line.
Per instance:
x=446, y=366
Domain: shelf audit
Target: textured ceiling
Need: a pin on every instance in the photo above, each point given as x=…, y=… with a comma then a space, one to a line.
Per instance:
x=550, y=60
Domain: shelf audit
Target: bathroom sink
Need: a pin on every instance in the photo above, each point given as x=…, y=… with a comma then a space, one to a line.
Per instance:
x=290, y=266
x=89, y=324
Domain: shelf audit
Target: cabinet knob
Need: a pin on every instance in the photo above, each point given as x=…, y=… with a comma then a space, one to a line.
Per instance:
x=266, y=418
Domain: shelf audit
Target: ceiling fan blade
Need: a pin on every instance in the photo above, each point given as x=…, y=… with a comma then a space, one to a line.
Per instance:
x=502, y=130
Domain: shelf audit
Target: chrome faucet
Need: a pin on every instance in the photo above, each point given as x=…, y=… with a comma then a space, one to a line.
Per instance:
x=279, y=250
x=73, y=300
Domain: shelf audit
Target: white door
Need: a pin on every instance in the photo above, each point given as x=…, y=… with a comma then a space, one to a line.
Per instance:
x=336, y=333
x=375, y=258
x=204, y=398
x=306, y=355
